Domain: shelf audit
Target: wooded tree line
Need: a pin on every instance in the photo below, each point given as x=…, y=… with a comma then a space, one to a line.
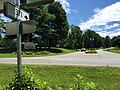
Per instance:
x=52, y=30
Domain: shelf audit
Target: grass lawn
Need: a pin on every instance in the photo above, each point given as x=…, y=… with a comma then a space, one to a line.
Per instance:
x=105, y=78
x=114, y=50
x=63, y=51
x=7, y=53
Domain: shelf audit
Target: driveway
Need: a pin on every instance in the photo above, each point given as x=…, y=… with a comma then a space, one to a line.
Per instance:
x=103, y=58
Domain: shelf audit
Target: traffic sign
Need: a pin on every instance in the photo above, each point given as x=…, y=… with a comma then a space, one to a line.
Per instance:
x=32, y=3
x=11, y=28
x=25, y=27
x=1, y=3
x=14, y=12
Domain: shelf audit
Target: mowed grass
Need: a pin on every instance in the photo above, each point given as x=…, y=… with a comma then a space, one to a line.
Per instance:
x=61, y=51
x=7, y=53
x=105, y=78
x=116, y=50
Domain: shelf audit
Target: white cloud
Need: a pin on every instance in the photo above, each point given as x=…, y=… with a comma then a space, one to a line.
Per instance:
x=110, y=33
x=65, y=5
x=1, y=15
x=96, y=10
x=115, y=33
x=5, y=18
x=103, y=17
x=103, y=33
x=76, y=11
x=112, y=26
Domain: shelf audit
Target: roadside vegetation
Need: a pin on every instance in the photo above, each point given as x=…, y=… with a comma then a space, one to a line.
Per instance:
x=10, y=53
x=104, y=78
x=91, y=52
x=115, y=50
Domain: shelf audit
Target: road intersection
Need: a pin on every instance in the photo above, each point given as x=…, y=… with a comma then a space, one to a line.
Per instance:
x=103, y=58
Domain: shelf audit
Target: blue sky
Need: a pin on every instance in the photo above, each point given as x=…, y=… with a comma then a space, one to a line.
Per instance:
x=102, y=16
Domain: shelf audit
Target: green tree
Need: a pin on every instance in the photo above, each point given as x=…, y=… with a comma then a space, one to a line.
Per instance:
x=60, y=23
x=89, y=37
x=92, y=40
x=74, y=38
x=51, y=23
x=107, y=42
x=76, y=34
x=98, y=41
x=68, y=42
x=44, y=24
x=115, y=41
x=118, y=41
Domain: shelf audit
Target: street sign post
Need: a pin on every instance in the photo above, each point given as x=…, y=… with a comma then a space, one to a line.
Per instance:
x=14, y=12
x=11, y=11
x=1, y=4
x=11, y=28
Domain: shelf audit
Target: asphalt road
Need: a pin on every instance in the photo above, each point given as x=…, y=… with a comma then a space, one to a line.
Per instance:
x=103, y=58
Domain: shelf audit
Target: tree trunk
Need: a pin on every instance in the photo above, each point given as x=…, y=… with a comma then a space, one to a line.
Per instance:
x=49, y=45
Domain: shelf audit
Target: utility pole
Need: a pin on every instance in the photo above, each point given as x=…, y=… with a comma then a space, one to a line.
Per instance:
x=19, y=57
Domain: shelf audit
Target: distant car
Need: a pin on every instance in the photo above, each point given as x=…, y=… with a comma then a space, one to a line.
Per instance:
x=83, y=50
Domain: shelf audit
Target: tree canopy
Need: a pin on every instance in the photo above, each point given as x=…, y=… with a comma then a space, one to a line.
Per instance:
x=74, y=38
x=92, y=39
x=115, y=41
x=107, y=42
x=51, y=23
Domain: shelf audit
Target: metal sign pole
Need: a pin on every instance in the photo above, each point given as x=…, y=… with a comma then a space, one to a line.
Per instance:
x=19, y=58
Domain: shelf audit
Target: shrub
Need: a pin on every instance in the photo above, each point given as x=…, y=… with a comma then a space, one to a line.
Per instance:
x=28, y=53
x=35, y=53
x=81, y=84
x=91, y=51
x=28, y=82
x=45, y=52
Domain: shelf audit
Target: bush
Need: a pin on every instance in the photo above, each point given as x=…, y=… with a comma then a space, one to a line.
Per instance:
x=81, y=84
x=91, y=51
x=45, y=53
x=28, y=82
x=35, y=53
x=28, y=53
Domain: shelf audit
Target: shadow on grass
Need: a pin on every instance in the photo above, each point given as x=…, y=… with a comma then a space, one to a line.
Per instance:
x=52, y=50
x=7, y=50
x=55, y=50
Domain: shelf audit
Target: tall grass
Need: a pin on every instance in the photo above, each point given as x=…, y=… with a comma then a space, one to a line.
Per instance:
x=105, y=78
